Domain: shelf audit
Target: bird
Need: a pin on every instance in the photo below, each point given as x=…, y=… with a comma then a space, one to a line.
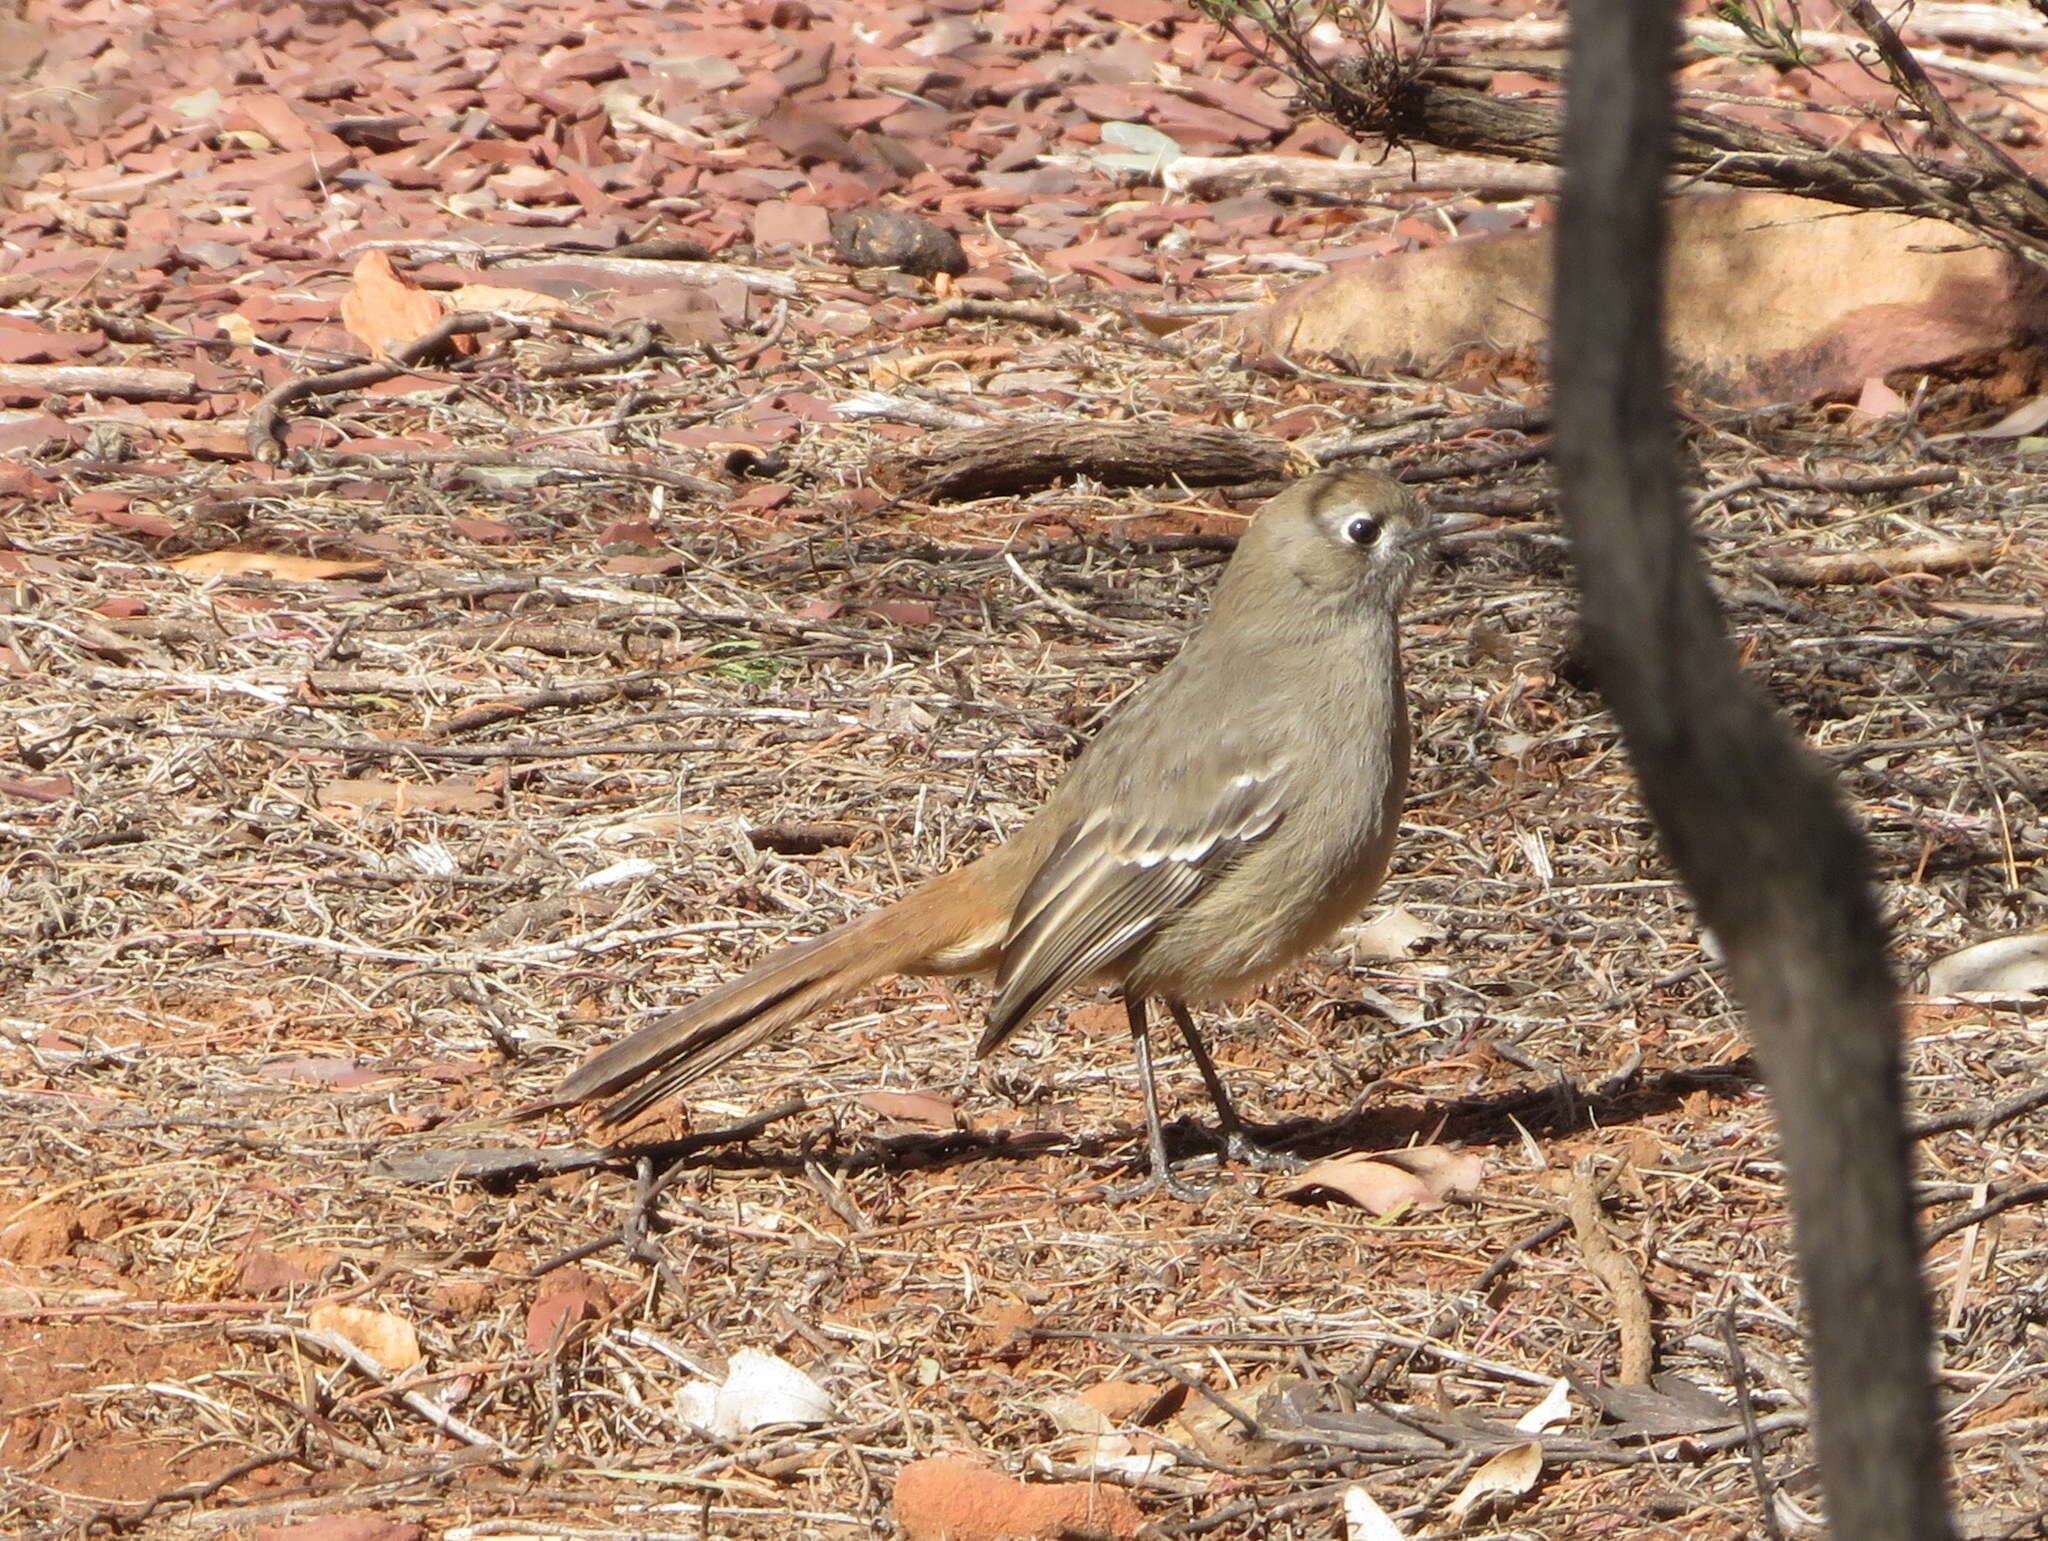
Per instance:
x=1231, y=815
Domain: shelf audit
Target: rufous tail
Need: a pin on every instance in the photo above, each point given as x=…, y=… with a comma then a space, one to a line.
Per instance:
x=680, y=1046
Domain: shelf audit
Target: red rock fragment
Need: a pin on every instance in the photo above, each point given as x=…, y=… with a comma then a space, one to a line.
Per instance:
x=950, y=1498
x=791, y=224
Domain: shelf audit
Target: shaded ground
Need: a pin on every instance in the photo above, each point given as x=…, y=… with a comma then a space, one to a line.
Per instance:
x=308, y=879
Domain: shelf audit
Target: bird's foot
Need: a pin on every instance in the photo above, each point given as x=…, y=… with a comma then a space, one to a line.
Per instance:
x=1157, y=1181
x=1241, y=1147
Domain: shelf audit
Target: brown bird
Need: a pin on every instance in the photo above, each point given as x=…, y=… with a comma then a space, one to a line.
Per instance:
x=1232, y=814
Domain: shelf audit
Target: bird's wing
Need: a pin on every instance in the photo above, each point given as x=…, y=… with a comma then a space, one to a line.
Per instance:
x=1115, y=879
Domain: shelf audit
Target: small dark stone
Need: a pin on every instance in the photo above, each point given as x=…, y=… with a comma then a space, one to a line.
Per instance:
x=890, y=238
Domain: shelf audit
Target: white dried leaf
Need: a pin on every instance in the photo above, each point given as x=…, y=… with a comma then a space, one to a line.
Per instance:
x=1554, y=1409
x=619, y=872
x=1393, y=935
x=1365, y=1520
x=760, y=1391
x=1071, y=1415
x=2009, y=967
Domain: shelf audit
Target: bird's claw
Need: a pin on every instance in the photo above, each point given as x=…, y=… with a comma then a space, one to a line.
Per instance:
x=1239, y=1147
x=1167, y=1182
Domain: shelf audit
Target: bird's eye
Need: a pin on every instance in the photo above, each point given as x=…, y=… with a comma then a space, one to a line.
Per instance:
x=1362, y=531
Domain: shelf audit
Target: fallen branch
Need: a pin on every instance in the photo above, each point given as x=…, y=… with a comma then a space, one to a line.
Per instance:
x=1620, y=1277
x=1997, y=1204
x=100, y=380
x=334, y=1344
x=266, y=418
x=1941, y=556
x=1010, y=458
x=575, y=462
x=1227, y=176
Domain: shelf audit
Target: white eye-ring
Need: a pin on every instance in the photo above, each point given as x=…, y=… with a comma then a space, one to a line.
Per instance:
x=1363, y=530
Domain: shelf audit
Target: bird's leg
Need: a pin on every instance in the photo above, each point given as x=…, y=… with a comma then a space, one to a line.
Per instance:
x=1238, y=1144
x=1155, y=1133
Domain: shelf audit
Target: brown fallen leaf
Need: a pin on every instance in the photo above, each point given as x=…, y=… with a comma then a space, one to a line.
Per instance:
x=1509, y=1474
x=269, y=564
x=898, y=368
x=518, y=302
x=927, y=1108
x=461, y=795
x=1124, y=1401
x=39, y=789
x=387, y=1339
x=1878, y=400
x=1384, y=1182
x=383, y=309
x=554, y=1316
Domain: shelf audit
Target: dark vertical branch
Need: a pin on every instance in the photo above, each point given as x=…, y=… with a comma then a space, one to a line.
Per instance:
x=1752, y=821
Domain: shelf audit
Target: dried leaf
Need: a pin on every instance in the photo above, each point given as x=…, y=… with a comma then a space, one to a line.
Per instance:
x=461, y=795
x=1071, y=1415
x=387, y=1339
x=1392, y=935
x=383, y=309
x=2009, y=967
x=1365, y=1520
x=518, y=302
x=320, y=1069
x=1389, y=1181
x=1878, y=400
x=141, y=521
x=1372, y=1185
x=1127, y=1401
x=630, y=870
x=1507, y=1475
x=39, y=789
x=926, y=1108
x=2031, y=417
x=1985, y=610
x=269, y=564
x=1555, y=1408
x=759, y=1391
x=553, y=1317
x=1671, y=1405
x=904, y=612
x=1450, y=1172
x=895, y=369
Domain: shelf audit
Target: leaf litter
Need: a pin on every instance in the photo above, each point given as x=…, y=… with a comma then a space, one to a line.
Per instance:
x=232, y=1003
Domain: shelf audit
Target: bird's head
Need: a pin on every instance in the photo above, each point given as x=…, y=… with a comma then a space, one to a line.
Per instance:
x=1344, y=536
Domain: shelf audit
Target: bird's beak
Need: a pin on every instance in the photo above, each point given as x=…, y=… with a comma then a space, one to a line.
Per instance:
x=1459, y=529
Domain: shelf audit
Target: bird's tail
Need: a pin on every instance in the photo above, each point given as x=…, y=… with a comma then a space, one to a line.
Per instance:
x=914, y=934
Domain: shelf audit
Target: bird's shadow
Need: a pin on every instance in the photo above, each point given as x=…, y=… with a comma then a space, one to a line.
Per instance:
x=1508, y=1117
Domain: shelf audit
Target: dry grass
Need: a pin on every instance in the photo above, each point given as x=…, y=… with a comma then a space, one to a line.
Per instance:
x=234, y=994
